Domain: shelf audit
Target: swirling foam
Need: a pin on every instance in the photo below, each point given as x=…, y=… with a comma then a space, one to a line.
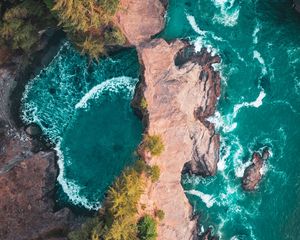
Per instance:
x=229, y=14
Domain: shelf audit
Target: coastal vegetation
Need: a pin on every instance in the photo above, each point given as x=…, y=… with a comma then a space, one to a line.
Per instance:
x=147, y=228
x=88, y=24
x=153, y=143
x=118, y=219
x=143, y=104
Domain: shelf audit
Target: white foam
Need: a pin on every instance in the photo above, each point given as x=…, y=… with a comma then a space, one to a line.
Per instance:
x=70, y=187
x=255, y=32
x=201, y=40
x=256, y=103
x=229, y=14
x=113, y=85
x=206, y=198
x=259, y=58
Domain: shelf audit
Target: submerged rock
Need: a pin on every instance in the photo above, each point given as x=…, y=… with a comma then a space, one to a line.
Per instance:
x=252, y=174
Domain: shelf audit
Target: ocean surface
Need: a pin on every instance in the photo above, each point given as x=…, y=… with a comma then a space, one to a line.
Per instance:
x=85, y=109
x=259, y=43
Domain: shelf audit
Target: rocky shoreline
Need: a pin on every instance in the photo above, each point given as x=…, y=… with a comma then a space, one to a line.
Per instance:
x=181, y=89
x=28, y=169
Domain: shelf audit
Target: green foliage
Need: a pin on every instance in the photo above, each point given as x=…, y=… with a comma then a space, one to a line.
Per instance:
x=110, y=6
x=21, y=22
x=140, y=166
x=154, y=144
x=154, y=173
x=113, y=36
x=85, y=232
x=147, y=228
x=143, y=104
x=160, y=214
x=118, y=220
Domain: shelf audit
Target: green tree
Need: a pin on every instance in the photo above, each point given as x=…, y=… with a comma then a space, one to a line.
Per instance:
x=147, y=228
x=154, y=144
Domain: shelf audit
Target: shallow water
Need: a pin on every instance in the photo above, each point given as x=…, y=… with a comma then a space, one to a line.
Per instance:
x=80, y=105
x=259, y=43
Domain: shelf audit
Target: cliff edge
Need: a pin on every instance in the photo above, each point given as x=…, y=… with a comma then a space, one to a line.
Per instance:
x=181, y=90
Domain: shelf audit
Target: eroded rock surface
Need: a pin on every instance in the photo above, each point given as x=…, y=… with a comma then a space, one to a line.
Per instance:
x=252, y=174
x=181, y=89
x=139, y=20
x=27, y=175
x=27, y=182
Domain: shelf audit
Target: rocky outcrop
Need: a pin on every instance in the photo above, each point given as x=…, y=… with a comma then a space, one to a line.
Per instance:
x=296, y=5
x=181, y=90
x=139, y=20
x=27, y=182
x=252, y=174
x=27, y=175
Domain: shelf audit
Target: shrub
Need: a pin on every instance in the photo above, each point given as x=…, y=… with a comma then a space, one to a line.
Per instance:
x=113, y=36
x=147, y=228
x=160, y=214
x=143, y=104
x=140, y=166
x=84, y=233
x=154, y=144
x=154, y=173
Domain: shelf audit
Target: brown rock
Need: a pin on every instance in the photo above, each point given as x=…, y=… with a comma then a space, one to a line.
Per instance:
x=139, y=20
x=173, y=94
x=27, y=182
x=252, y=174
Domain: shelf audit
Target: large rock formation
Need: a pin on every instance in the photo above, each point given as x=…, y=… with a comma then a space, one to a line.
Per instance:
x=181, y=89
x=252, y=174
x=139, y=20
x=27, y=175
x=27, y=182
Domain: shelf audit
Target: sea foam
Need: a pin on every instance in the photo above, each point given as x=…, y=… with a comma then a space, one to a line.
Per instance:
x=113, y=85
x=206, y=198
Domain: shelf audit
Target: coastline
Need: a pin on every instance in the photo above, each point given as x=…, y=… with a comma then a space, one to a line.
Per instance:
x=186, y=228
x=169, y=70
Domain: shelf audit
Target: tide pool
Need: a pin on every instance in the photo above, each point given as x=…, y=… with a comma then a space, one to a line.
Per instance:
x=84, y=108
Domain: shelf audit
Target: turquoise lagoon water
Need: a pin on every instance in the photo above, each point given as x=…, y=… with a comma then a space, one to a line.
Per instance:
x=259, y=43
x=84, y=108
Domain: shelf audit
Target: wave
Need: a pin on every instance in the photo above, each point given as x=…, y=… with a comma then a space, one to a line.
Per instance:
x=255, y=32
x=70, y=187
x=202, y=40
x=206, y=198
x=229, y=13
x=259, y=58
x=112, y=85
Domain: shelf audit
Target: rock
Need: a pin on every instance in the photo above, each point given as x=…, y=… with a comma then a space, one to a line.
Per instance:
x=252, y=174
x=27, y=183
x=139, y=20
x=296, y=5
x=33, y=130
x=174, y=93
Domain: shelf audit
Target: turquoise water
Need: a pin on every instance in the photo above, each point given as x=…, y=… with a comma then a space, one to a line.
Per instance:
x=84, y=107
x=259, y=43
